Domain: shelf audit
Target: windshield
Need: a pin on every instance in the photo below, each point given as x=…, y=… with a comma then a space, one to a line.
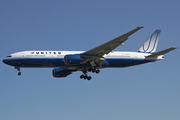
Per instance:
x=8, y=56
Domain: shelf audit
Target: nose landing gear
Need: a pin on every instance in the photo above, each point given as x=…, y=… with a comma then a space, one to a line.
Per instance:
x=19, y=73
x=18, y=69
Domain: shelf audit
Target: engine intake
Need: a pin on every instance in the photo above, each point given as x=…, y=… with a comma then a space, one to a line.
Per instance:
x=59, y=72
x=72, y=59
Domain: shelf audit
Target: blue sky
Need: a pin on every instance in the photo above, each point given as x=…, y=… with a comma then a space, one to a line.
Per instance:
x=149, y=91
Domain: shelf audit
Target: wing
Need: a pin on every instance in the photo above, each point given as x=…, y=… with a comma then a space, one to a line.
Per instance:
x=111, y=45
x=95, y=55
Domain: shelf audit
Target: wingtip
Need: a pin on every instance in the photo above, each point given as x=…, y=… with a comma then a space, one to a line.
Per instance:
x=140, y=27
x=174, y=47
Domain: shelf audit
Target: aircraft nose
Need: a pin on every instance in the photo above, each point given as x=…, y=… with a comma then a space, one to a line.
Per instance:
x=4, y=61
x=8, y=61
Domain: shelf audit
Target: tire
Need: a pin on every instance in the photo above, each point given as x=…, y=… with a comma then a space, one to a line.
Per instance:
x=82, y=76
x=89, y=78
x=97, y=71
x=19, y=73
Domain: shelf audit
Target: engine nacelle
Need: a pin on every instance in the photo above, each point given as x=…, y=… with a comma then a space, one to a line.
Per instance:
x=72, y=59
x=59, y=72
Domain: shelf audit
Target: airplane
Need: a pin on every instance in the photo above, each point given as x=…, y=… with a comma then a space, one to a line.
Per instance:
x=65, y=63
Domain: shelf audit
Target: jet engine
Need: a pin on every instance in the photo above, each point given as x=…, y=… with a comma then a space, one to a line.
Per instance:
x=72, y=59
x=59, y=72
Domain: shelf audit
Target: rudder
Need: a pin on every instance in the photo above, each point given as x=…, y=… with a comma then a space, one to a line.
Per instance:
x=151, y=43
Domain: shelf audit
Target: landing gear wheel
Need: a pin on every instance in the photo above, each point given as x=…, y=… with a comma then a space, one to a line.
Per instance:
x=19, y=73
x=97, y=71
x=89, y=78
x=82, y=76
x=85, y=77
x=93, y=70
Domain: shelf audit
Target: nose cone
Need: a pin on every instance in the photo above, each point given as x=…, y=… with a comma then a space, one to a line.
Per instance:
x=4, y=61
x=10, y=62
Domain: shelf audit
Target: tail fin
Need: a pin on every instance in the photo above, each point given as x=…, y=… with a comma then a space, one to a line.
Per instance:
x=150, y=44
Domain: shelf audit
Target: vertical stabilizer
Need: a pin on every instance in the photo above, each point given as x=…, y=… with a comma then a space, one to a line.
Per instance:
x=151, y=43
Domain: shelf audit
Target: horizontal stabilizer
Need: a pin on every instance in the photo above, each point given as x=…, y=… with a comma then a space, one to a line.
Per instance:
x=161, y=52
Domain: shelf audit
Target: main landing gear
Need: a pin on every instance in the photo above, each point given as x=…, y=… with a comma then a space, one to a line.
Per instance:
x=85, y=76
x=93, y=70
x=18, y=69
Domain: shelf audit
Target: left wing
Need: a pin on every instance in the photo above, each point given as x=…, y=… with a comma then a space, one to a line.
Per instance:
x=95, y=55
x=111, y=45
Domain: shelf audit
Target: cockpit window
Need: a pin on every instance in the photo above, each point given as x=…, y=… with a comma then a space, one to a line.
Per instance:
x=9, y=56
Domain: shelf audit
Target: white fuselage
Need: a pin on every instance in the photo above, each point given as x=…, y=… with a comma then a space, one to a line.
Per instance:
x=55, y=59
